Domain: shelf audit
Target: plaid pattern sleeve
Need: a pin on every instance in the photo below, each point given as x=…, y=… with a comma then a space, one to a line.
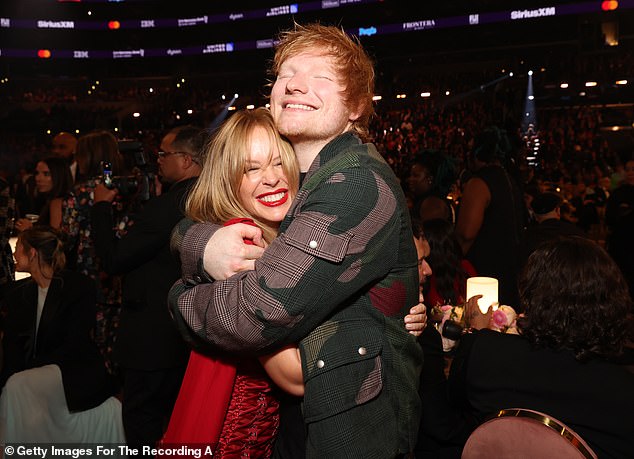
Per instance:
x=338, y=280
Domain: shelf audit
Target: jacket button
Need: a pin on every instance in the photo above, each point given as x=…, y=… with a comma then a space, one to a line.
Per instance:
x=312, y=244
x=320, y=364
x=198, y=279
x=362, y=351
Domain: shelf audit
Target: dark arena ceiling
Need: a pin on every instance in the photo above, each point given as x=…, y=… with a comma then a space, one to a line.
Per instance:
x=153, y=38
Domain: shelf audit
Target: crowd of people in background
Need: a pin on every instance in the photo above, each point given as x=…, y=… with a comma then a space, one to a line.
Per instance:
x=476, y=200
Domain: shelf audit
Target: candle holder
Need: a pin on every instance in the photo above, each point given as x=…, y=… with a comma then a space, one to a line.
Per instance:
x=488, y=288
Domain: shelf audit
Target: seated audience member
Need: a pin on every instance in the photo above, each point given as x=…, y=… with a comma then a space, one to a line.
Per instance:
x=53, y=182
x=442, y=431
x=563, y=361
x=448, y=282
x=55, y=384
x=549, y=225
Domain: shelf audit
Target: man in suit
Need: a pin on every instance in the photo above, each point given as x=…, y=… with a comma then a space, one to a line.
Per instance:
x=341, y=275
x=149, y=348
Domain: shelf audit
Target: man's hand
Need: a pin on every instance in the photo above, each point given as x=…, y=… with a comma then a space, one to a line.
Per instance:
x=104, y=194
x=226, y=253
x=416, y=320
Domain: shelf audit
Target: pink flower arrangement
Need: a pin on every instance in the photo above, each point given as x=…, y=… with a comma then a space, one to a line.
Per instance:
x=449, y=312
x=504, y=320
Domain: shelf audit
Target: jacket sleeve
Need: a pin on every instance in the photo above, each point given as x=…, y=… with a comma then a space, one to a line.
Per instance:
x=77, y=300
x=343, y=239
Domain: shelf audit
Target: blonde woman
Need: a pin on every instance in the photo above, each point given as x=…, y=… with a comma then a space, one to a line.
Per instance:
x=250, y=175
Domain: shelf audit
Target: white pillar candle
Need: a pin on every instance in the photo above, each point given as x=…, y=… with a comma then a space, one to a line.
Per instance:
x=485, y=286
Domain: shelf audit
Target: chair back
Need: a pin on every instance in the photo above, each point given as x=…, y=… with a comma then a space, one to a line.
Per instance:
x=518, y=433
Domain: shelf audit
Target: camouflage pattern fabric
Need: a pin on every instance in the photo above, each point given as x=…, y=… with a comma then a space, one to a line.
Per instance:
x=338, y=280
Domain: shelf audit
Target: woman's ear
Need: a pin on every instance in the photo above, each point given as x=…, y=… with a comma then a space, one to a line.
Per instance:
x=32, y=254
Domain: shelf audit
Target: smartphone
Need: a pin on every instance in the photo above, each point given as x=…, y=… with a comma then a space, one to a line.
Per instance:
x=106, y=174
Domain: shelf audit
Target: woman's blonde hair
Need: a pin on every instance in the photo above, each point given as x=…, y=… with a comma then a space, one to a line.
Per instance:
x=215, y=196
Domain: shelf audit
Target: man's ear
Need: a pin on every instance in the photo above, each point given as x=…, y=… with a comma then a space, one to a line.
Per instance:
x=356, y=112
x=188, y=161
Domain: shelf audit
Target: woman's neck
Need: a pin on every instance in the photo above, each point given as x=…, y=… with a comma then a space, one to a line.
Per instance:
x=43, y=276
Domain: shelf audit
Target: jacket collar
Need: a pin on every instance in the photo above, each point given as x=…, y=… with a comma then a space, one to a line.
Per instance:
x=332, y=149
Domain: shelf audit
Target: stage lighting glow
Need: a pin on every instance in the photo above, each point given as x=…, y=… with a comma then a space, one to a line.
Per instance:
x=531, y=97
x=425, y=94
x=609, y=5
x=563, y=85
x=268, y=105
x=182, y=80
x=190, y=111
x=44, y=53
x=530, y=73
x=136, y=114
x=48, y=131
x=590, y=84
x=76, y=131
x=114, y=25
x=223, y=97
x=250, y=107
x=232, y=108
x=447, y=93
x=582, y=93
x=375, y=98
x=401, y=96
x=235, y=96
x=621, y=82
x=151, y=89
x=615, y=128
x=178, y=85
x=511, y=74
